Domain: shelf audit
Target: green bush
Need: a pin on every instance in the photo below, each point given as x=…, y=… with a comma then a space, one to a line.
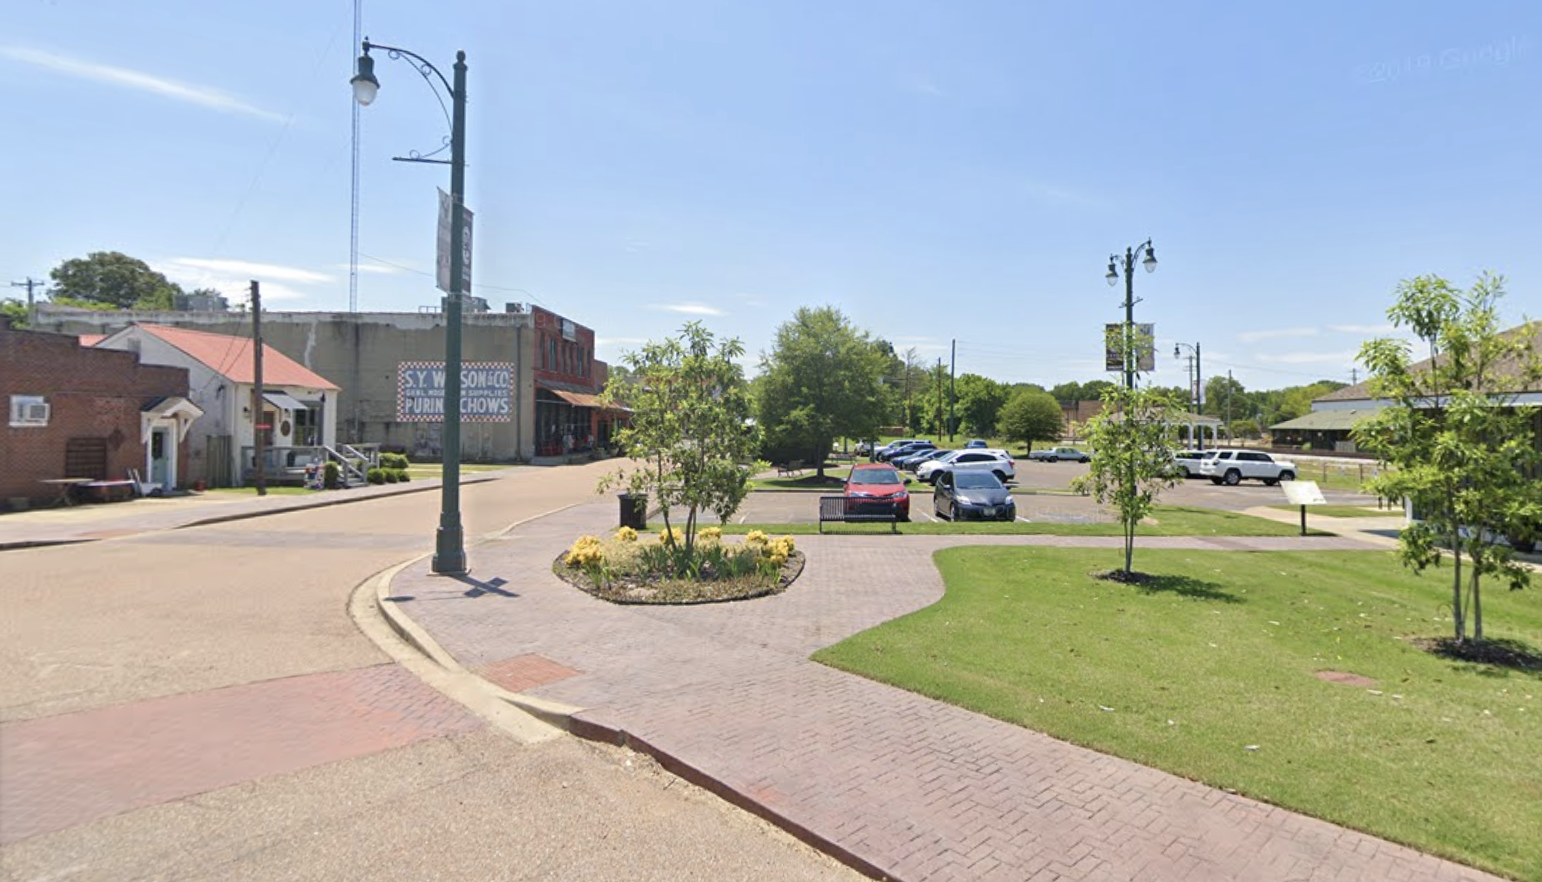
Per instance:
x=389, y=475
x=403, y=476
x=331, y=475
x=376, y=476
x=396, y=461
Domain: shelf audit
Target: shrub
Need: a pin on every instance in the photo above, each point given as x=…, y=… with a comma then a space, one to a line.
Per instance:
x=331, y=475
x=587, y=551
x=396, y=461
x=403, y=475
x=375, y=476
x=711, y=534
x=389, y=475
x=671, y=536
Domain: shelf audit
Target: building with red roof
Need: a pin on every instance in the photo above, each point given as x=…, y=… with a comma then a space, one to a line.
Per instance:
x=296, y=415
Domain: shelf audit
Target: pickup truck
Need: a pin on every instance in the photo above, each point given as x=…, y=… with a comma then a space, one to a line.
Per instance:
x=1056, y=454
x=1231, y=467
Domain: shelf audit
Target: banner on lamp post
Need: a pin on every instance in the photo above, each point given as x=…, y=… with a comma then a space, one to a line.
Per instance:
x=1113, y=347
x=446, y=219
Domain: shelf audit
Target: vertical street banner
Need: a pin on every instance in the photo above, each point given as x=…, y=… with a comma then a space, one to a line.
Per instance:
x=486, y=392
x=1113, y=347
x=446, y=218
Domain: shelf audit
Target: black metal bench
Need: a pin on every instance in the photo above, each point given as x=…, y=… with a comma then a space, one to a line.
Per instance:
x=834, y=508
x=790, y=469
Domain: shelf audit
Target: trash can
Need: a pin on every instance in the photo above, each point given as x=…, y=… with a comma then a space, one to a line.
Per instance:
x=634, y=510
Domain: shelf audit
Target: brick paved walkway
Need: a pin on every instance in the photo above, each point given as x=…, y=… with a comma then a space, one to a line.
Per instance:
x=892, y=782
x=76, y=768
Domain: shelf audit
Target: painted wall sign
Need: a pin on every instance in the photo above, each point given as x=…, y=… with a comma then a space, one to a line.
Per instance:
x=486, y=387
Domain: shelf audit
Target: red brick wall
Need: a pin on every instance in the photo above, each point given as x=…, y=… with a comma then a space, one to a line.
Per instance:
x=92, y=393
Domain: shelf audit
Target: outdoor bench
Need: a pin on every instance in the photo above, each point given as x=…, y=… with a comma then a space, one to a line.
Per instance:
x=790, y=469
x=834, y=508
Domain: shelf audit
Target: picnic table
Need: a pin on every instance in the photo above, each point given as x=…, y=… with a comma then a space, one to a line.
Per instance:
x=64, y=488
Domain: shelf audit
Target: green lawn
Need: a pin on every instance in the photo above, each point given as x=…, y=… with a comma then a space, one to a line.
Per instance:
x=1168, y=521
x=1210, y=674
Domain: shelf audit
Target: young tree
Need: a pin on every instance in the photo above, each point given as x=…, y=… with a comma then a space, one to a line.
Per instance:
x=821, y=381
x=1030, y=416
x=1133, y=460
x=690, y=432
x=1461, y=450
x=112, y=280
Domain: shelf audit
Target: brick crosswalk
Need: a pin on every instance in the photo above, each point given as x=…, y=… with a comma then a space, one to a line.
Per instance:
x=892, y=782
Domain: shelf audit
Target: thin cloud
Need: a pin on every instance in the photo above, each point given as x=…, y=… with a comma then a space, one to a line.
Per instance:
x=1310, y=358
x=1275, y=334
x=925, y=86
x=123, y=77
x=689, y=308
x=1363, y=329
x=263, y=272
x=375, y=268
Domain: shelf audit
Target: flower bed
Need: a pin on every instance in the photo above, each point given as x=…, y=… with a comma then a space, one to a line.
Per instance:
x=628, y=568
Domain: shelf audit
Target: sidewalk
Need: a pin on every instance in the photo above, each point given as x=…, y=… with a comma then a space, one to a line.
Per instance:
x=890, y=782
x=93, y=521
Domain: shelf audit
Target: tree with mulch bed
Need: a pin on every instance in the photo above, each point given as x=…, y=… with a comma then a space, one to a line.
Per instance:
x=631, y=569
x=1134, y=461
x=1470, y=465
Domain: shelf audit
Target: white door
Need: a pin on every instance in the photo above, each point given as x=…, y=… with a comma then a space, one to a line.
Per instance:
x=163, y=457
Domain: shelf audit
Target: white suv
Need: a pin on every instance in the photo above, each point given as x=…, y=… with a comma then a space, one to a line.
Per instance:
x=995, y=461
x=1231, y=466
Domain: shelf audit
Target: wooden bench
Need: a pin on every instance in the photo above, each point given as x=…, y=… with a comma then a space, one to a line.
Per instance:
x=834, y=508
x=790, y=469
x=109, y=491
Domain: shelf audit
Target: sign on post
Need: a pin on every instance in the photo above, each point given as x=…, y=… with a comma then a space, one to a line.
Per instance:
x=1303, y=493
x=486, y=392
x=446, y=218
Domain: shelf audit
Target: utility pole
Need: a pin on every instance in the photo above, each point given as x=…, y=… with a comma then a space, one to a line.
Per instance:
x=29, y=284
x=258, y=445
x=1229, y=391
x=952, y=387
x=1354, y=373
x=939, y=398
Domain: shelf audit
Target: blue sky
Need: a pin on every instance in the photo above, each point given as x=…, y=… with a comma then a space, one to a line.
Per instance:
x=939, y=172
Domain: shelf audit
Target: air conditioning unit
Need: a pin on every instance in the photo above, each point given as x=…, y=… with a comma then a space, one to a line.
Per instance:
x=35, y=412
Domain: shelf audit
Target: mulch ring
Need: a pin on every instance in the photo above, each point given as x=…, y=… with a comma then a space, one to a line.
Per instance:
x=661, y=590
x=1344, y=677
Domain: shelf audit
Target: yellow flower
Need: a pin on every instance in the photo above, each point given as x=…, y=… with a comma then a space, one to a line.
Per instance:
x=626, y=534
x=756, y=537
x=671, y=535
x=586, y=551
x=711, y=534
x=783, y=544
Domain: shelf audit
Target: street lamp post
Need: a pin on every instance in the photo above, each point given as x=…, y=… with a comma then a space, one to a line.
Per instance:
x=1197, y=390
x=1131, y=358
x=449, y=540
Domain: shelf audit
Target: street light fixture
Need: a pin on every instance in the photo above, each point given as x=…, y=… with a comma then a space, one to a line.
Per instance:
x=1130, y=356
x=449, y=540
x=1197, y=385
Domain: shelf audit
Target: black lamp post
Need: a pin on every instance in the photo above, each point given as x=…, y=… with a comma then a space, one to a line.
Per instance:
x=1131, y=357
x=1197, y=390
x=449, y=541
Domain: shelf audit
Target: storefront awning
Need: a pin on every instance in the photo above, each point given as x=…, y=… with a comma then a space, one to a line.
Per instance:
x=280, y=399
x=581, y=399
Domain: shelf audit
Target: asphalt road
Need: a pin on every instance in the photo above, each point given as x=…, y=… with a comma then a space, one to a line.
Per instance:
x=198, y=704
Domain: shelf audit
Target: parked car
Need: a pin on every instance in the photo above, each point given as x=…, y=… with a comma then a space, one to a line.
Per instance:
x=975, y=443
x=973, y=495
x=912, y=461
x=863, y=448
x=996, y=462
x=1056, y=454
x=1231, y=467
x=883, y=453
x=1187, y=462
x=875, y=488
x=905, y=450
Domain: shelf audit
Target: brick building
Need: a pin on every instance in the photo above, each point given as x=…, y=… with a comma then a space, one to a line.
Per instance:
x=76, y=412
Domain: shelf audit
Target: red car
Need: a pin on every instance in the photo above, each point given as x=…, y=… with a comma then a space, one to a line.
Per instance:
x=877, y=488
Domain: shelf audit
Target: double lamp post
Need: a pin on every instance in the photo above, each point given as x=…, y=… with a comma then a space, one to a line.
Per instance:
x=449, y=541
x=1128, y=345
